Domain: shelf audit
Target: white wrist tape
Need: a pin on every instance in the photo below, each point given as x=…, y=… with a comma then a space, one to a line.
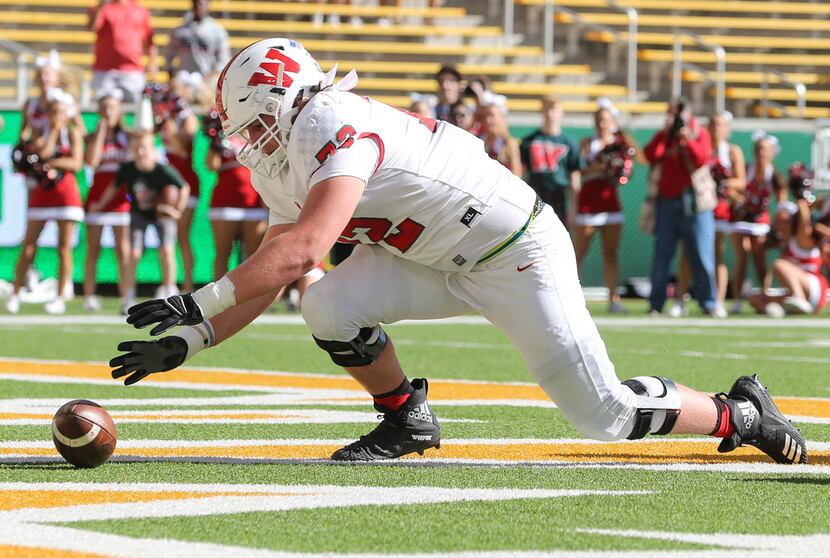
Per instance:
x=215, y=298
x=197, y=337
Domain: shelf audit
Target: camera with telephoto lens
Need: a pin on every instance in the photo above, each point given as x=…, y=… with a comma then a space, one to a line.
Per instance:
x=678, y=122
x=801, y=182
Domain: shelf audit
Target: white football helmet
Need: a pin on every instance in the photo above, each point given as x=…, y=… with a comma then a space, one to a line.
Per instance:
x=270, y=77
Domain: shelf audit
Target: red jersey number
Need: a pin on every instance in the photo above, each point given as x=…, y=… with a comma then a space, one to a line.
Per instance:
x=372, y=230
x=342, y=140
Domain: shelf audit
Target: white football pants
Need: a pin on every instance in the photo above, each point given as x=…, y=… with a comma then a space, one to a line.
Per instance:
x=531, y=292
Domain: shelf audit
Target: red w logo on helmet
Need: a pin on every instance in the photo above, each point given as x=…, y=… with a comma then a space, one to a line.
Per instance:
x=276, y=73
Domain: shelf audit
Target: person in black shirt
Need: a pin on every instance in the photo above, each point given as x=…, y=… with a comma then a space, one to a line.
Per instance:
x=148, y=182
x=552, y=160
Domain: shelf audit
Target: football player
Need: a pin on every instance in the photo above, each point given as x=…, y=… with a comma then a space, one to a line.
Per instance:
x=442, y=230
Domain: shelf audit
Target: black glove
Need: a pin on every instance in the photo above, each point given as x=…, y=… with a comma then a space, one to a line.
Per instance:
x=147, y=357
x=176, y=310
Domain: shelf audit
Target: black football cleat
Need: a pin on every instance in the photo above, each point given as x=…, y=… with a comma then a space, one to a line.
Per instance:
x=412, y=428
x=759, y=423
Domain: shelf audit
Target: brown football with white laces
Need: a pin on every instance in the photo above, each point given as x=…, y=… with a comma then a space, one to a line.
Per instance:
x=84, y=433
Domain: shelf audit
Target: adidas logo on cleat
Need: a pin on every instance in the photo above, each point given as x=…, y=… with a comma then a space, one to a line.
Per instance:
x=748, y=413
x=422, y=437
x=421, y=412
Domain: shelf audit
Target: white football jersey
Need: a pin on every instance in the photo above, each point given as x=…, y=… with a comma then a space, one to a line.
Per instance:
x=428, y=184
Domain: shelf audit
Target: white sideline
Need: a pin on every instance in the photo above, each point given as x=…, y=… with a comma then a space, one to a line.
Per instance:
x=296, y=319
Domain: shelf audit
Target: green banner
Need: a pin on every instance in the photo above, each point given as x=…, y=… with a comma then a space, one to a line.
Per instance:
x=635, y=250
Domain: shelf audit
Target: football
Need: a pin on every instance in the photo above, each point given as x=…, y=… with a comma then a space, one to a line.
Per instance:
x=168, y=199
x=84, y=433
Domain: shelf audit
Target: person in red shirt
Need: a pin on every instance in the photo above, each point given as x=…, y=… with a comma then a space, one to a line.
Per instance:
x=122, y=35
x=681, y=147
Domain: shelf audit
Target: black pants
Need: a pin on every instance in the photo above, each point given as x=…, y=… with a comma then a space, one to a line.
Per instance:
x=558, y=200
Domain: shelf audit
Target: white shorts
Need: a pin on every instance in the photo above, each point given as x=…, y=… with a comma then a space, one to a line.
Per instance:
x=751, y=229
x=725, y=227
x=531, y=292
x=67, y=213
x=599, y=219
x=815, y=295
x=112, y=219
x=237, y=214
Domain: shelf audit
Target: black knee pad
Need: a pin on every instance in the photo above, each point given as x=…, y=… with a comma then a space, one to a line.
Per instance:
x=363, y=350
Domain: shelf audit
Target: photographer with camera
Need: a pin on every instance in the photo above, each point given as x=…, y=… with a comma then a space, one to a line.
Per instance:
x=750, y=212
x=236, y=211
x=51, y=162
x=609, y=161
x=679, y=151
x=798, y=269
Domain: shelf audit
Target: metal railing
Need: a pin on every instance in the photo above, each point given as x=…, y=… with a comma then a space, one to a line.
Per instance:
x=631, y=79
x=800, y=91
x=720, y=65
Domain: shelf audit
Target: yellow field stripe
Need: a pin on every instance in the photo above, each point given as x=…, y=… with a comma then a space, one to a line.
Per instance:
x=13, y=551
x=679, y=451
x=438, y=390
x=18, y=499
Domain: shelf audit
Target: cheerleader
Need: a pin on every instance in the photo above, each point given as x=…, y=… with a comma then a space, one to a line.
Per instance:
x=54, y=196
x=107, y=148
x=236, y=212
x=177, y=127
x=750, y=212
x=608, y=156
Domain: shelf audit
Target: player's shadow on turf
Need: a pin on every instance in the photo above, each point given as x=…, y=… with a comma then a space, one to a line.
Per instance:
x=44, y=466
x=797, y=480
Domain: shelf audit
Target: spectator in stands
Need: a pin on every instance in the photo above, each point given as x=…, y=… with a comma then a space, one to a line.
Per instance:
x=106, y=149
x=498, y=142
x=122, y=35
x=334, y=17
x=608, y=161
x=729, y=172
x=149, y=184
x=463, y=115
x=750, y=212
x=799, y=267
x=177, y=124
x=236, y=212
x=450, y=85
x=552, y=160
x=55, y=196
x=200, y=44
x=680, y=148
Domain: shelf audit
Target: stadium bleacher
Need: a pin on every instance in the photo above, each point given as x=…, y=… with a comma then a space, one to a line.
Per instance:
x=398, y=59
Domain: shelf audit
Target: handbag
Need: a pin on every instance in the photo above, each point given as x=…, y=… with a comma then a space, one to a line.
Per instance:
x=648, y=211
x=705, y=188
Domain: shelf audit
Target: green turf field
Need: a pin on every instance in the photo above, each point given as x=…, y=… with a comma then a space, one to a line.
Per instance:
x=228, y=456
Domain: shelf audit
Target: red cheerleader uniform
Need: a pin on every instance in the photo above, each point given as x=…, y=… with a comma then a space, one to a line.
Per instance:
x=61, y=201
x=117, y=212
x=598, y=202
x=183, y=164
x=810, y=261
x=234, y=198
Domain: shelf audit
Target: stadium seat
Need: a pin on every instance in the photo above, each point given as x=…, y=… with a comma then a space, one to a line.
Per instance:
x=729, y=6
